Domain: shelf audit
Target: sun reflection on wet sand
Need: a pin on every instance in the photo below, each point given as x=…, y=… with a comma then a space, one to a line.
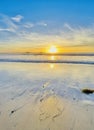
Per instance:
x=52, y=58
x=52, y=66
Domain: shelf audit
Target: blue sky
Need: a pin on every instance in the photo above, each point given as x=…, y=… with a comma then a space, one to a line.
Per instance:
x=41, y=22
x=72, y=11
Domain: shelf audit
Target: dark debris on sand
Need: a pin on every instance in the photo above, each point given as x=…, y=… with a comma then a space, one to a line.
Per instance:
x=12, y=112
x=88, y=91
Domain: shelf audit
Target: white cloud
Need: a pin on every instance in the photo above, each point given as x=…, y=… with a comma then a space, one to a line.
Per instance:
x=8, y=25
x=68, y=36
x=17, y=18
x=10, y=29
x=66, y=25
x=42, y=24
x=29, y=25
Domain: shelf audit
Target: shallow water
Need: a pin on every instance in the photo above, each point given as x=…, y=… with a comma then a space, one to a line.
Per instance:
x=46, y=96
x=48, y=58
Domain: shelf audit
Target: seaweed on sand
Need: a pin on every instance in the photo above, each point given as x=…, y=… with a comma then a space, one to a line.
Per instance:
x=88, y=91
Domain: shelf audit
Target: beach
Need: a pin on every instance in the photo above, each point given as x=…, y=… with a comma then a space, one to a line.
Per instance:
x=46, y=96
x=47, y=65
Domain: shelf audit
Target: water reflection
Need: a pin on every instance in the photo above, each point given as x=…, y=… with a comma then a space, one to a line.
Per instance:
x=52, y=58
x=52, y=66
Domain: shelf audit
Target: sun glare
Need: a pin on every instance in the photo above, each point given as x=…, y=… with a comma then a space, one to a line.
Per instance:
x=53, y=49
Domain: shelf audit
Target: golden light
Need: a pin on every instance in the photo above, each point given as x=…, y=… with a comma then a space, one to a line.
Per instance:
x=52, y=57
x=53, y=49
x=51, y=66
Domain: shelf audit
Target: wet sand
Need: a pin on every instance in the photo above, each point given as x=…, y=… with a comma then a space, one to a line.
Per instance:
x=46, y=97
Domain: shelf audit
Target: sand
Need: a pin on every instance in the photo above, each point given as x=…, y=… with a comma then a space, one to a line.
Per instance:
x=42, y=97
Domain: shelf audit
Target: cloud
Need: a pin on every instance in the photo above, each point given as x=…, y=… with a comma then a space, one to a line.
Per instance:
x=17, y=18
x=26, y=32
x=29, y=25
x=6, y=24
x=42, y=24
x=66, y=25
x=3, y=29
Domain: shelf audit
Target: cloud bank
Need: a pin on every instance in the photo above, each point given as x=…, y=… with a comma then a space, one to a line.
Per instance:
x=15, y=31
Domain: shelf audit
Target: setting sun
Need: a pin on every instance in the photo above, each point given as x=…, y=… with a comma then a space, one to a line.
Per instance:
x=53, y=49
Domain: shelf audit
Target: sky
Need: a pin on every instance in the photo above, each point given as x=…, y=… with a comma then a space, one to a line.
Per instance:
x=33, y=25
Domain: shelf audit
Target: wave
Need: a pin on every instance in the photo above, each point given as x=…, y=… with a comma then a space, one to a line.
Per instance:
x=47, y=61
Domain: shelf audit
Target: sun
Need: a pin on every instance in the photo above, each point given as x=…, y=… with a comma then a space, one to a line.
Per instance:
x=53, y=49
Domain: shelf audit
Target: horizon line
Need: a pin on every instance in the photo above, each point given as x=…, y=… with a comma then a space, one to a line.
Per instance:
x=55, y=54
